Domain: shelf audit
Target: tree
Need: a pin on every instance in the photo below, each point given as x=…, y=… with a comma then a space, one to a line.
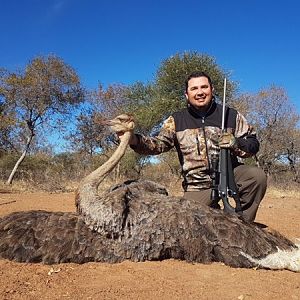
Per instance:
x=293, y=154
x=89, y=135
x=275, y=120
x=140, y=98
x=109, y=102
x=41, y=94
x=7, y=123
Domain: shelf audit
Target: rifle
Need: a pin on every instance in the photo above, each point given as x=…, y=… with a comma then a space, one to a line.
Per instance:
x=223, y=184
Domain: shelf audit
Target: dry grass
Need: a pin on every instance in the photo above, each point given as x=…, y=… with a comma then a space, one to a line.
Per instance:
x=292, y=192
x=19, y=186
x=16, y=187
x=173, y=185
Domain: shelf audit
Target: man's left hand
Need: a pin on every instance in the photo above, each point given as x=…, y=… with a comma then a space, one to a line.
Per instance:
x=227, y=141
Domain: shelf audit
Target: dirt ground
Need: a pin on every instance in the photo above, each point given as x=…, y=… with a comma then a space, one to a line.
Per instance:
x=149, y=280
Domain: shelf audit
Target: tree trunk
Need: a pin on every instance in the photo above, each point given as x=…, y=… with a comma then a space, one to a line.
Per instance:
x=20, y=160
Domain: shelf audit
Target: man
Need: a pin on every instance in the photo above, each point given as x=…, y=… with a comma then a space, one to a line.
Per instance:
x=196, y=133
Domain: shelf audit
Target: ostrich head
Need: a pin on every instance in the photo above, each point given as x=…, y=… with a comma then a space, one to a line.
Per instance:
x=121, y=124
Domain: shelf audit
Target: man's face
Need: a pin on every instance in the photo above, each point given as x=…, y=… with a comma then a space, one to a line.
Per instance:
x=199, y=93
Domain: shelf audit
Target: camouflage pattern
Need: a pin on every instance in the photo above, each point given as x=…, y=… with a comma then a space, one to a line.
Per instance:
x=195, y=148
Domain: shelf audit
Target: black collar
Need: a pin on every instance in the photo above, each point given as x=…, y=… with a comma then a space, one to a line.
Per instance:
x=202, y=114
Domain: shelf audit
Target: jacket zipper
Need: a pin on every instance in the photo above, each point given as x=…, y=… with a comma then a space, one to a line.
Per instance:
x=206, y=148
x=198, y=144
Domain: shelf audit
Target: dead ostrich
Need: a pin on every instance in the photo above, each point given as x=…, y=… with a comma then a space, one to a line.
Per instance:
x=138, y=221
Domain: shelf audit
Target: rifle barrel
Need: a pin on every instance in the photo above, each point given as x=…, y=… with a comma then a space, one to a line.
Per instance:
x=224, y=103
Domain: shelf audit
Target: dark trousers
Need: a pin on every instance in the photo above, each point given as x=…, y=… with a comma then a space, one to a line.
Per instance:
x=252, y=184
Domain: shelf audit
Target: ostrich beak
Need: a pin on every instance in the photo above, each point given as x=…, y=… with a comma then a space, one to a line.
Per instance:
x=110, y=122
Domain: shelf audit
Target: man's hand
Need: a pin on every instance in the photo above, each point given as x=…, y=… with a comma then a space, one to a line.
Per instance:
x=227, y=141
x=122, y=124
x=133, y=139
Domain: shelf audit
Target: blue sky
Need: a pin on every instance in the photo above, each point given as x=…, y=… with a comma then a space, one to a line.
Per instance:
x=123, y=41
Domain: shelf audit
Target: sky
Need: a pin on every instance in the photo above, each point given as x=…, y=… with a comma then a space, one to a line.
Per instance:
x=124, y=41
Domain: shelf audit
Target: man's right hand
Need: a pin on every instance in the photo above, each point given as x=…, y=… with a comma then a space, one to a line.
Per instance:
x=133, y=139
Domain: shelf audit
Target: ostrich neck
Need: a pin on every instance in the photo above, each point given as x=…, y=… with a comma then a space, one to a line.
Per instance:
x=97, y=176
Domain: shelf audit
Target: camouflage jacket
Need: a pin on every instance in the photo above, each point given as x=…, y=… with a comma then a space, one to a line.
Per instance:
x=195, y=137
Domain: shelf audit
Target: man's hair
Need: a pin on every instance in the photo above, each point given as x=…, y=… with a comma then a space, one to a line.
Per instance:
x=196, y=75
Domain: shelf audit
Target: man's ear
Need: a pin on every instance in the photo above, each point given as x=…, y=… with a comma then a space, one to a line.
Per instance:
x=186, y=96
x=213, y=91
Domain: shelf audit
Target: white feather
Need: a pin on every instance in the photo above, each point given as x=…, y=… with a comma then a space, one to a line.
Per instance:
x=282, y=259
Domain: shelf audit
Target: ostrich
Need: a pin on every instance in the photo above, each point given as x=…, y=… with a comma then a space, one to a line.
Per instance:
x=138, y=221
